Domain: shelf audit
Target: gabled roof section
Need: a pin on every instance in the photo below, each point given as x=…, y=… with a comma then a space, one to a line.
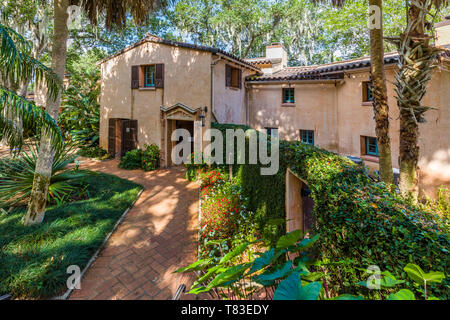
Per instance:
x=155, y=39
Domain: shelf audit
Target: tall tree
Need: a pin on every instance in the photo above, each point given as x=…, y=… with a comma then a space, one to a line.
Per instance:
x=379, y=91
x=115, y=15
x=418, y=58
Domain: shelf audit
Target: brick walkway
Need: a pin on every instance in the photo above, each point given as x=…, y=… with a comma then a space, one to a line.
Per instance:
x=157, y=237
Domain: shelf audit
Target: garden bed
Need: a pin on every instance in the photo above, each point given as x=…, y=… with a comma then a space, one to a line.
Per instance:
x=34, y=260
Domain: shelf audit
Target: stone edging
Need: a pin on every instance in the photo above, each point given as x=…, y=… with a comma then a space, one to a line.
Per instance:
x=66, y=295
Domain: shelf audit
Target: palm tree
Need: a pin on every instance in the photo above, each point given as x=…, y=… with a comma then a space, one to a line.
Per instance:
x=379, y=91
x=115, y=12
x=17, y=65
x=418, y=58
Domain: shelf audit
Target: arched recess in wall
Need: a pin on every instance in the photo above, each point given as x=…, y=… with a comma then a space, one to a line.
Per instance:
x=299, y=204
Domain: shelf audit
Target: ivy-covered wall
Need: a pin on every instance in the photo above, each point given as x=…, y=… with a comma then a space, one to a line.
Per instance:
x=361, y=223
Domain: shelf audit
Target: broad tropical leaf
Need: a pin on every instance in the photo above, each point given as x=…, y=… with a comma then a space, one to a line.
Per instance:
x=277, y=274
x=349, y=297
x=237, y=251
x=291, y=289
x=403, y=294
x=289, y=239
x=197, y=265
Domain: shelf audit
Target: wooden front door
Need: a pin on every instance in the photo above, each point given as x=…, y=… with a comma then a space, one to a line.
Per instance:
x=129, y=135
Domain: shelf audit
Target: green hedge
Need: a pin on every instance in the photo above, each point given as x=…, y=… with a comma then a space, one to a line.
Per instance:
x=361, y=223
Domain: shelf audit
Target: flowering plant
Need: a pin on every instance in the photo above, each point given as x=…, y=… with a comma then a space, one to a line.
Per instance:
x=224, y=217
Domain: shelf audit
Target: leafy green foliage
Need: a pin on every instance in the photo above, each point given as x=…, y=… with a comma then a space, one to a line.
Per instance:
x=34, y=260
x=403, y=294
x=292, y=289
x=132, y=160
x=147, y=159
x=93, y=152
x=225, y=222
x=238, y=275
x=17, y=174
x=16, y=64
x=361, y=223
x=151, y=157
x=80, y=116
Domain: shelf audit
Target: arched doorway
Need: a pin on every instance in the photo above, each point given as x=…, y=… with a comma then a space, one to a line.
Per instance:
x=299, y=204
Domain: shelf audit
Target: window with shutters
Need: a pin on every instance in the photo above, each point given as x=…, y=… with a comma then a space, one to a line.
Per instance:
x=147, y=76
x=233, y=77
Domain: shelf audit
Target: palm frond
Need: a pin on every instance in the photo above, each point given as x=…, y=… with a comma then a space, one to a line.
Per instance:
x=16, y=175
x=116, y=11
x=18, y=65
x=13, y=106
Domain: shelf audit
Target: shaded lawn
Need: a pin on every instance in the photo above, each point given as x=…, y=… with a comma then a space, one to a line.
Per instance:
x=34, y=260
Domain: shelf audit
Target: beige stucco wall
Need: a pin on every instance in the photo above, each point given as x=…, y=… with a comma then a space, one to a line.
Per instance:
x=186, y=80
x=315, y=109
x=339, y=119
x=229, y=103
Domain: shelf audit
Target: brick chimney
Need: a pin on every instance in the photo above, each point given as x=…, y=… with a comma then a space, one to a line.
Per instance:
x=278, y=55
x=443, y=32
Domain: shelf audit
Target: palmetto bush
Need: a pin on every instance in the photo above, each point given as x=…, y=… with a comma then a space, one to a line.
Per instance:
x=16, y=176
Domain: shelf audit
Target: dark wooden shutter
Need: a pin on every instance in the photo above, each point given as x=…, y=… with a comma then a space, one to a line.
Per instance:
x=228, y=75
x=134, y=77
x=129, y=135
x=159, y=75
x=240, y=79
x=112, y=137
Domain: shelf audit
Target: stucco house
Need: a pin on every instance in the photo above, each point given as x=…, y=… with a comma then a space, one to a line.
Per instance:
x=156, y=85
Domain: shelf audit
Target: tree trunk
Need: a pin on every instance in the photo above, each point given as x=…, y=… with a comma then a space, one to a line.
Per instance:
x=409, y=155
x=380, y=102
x=43, y=171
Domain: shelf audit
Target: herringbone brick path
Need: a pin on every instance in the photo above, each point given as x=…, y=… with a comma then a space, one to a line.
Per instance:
x=157, y=237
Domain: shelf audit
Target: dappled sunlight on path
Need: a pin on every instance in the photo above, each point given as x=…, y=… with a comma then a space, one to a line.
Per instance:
x=157, y=237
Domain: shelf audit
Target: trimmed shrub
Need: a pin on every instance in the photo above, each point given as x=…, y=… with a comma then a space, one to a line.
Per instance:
x=132, y=160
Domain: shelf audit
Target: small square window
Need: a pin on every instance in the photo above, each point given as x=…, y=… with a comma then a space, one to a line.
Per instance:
x=307, y=136
x=371, y=146
x=149, y=76
x=288, y=95
x=367, y=91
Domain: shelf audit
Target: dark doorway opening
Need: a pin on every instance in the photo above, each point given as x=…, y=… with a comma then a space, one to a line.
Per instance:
x=122, y=136
x=299, y=205
x=189, y=126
